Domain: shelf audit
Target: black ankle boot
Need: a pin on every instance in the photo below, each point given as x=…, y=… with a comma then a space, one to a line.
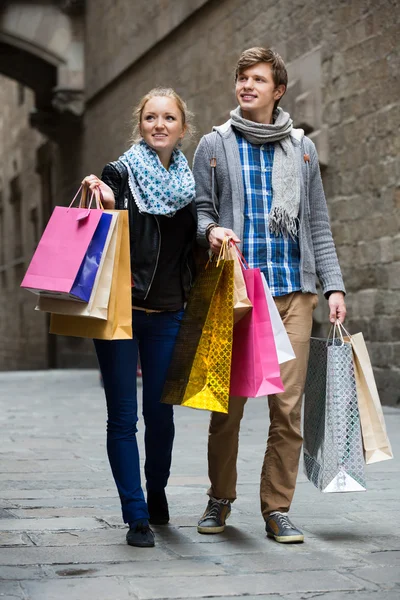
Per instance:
x=158, y=507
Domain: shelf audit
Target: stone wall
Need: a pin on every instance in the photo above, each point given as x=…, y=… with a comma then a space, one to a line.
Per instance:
x=357, y=97
x=23, y=333
x=343, y=60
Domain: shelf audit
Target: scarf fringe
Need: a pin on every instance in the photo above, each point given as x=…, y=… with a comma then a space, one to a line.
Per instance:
x=281, y=223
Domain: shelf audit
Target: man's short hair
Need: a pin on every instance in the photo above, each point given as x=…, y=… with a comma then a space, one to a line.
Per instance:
x=252, y=56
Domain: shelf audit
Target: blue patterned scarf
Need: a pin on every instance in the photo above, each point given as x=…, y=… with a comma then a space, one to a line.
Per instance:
x=156, y=190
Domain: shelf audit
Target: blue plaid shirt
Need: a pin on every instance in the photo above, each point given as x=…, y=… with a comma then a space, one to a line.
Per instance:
x=277, y=256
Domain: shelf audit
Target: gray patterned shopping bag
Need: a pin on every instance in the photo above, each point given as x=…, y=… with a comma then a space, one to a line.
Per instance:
x=333, y=452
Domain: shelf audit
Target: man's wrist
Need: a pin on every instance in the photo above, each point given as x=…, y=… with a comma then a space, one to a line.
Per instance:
x=209, y=228
x=327, y=294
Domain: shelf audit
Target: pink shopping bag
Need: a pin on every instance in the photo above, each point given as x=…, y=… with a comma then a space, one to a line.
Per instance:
x=255, y=370
x=67, y=258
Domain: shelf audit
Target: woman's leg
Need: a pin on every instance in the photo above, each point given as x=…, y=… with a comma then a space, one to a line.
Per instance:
x=157, y=340
x=118, y=361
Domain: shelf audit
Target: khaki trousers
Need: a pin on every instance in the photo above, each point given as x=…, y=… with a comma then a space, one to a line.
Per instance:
x=281, y=460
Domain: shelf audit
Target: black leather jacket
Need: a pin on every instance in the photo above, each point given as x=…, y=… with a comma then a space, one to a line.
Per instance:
x=145, y=236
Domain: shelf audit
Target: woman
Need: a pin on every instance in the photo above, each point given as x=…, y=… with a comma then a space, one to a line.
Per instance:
x=154, y=182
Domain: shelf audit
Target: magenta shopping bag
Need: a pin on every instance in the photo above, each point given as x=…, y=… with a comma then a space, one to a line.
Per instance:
x=68, y=256
x=255, y=370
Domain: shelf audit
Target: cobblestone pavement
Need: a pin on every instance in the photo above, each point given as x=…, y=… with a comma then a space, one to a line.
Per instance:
x=61, y=534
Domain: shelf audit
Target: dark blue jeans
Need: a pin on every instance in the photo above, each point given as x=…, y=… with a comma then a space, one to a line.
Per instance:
x=154, y=336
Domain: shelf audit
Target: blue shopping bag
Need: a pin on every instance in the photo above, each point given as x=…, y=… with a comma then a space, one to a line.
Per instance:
x=84, y=281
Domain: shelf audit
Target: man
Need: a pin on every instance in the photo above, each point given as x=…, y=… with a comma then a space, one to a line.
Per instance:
x=258, y=181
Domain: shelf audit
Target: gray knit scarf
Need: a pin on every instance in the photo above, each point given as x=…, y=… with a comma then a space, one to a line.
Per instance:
x=283, y=217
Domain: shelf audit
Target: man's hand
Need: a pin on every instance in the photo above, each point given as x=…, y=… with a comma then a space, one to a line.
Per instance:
x=217, y=235
x=337, y=307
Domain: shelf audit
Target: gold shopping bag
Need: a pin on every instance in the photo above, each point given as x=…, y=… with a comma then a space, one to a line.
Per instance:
x=199, y=373
x=118, y=325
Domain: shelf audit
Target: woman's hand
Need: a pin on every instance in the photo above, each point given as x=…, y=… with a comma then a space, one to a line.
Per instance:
x=107, y=199
x=217, y=235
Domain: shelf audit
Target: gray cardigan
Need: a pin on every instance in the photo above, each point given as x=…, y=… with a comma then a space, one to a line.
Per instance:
x=317, y=250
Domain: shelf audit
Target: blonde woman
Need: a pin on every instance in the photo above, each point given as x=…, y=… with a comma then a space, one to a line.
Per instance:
x=153, y=181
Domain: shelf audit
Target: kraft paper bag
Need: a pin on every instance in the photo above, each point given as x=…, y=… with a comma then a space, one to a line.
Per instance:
x=97, y=306
x=119, y=321
x=241, y=302
x=375, y=439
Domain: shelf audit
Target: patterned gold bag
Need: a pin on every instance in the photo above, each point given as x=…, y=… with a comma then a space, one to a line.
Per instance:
x=199, y=374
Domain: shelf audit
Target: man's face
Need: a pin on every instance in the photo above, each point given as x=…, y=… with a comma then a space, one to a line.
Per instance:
x=255, y=89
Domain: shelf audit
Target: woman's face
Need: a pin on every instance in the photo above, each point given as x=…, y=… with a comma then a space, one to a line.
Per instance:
x=161, y=124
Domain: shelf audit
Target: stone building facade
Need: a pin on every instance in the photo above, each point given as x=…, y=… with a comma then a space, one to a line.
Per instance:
x=24, y=210
x=344, y=90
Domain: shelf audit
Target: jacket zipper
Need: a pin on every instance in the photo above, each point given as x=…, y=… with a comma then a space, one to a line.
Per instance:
x=157, y=259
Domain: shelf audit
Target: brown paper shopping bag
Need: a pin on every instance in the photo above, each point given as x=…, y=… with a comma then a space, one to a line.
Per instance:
x=241, y=302
x=119, y=321
x=375, y=439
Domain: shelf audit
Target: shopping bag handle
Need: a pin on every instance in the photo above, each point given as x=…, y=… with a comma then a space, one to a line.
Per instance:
x=242, y=259
x=337, y=327
x=96, y=194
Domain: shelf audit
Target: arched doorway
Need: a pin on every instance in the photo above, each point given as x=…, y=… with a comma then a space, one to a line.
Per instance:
x=41, y=50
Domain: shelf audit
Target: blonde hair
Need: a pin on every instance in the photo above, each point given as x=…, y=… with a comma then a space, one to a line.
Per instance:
x=158, y=92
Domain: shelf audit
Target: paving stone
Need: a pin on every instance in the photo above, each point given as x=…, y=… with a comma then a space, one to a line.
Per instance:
x=224, y=548
x=49, y=524
x=298, y=560
x=359, y=595
x=79, y=554
x=21, y=573
x=40, y=466
x=147, y=568
x=387, y=557
x=107, y=588
x=181, y=587
x=15, y=494
x=14, y=539
x=102, y=537
x=104, y=504
x=44, y=513
x=11, y=590
x=388, y=576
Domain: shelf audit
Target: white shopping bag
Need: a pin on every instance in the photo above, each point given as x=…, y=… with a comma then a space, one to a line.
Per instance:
x=284, y=348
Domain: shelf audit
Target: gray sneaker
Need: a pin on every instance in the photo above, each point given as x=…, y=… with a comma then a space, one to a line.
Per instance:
x=279, y=527
x=215, y=515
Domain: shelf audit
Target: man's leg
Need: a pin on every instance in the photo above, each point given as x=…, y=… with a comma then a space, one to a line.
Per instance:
x=223, y=444
x=281, y=461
